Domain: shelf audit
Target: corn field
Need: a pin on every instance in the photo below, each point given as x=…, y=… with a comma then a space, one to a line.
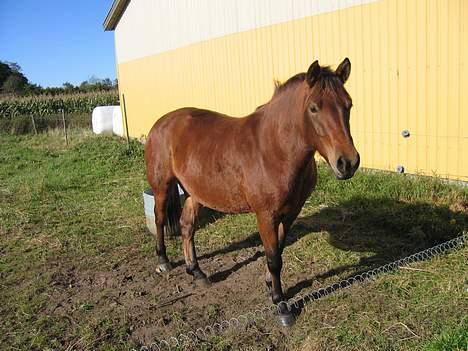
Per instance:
x=45, y=105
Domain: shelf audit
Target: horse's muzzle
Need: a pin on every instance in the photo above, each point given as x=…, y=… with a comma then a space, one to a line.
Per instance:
x=345, y=168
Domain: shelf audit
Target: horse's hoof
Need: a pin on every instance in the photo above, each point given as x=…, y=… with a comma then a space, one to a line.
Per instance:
x=286, y=319
x=164, y=267
x=202, y=282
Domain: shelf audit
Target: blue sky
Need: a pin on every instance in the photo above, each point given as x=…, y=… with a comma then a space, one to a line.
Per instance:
x=55, y=41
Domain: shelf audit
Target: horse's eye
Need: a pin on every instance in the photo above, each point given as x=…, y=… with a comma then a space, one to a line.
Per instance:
x=314, y=108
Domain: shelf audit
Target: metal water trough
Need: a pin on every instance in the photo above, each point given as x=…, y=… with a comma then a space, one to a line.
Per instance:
x=148, y=201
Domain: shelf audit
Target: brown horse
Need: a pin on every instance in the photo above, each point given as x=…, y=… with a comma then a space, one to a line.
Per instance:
x=262, y=163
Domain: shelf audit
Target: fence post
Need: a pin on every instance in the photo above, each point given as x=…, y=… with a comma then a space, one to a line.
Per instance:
x=34, y=124
x=64, y=127
x=126, y=122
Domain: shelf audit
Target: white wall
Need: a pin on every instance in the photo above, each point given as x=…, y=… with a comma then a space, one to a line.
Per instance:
x=149, y=27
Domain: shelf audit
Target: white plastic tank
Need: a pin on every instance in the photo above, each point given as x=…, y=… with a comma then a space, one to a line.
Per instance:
x=148, y=202
x=103, y=119
x=117, y=122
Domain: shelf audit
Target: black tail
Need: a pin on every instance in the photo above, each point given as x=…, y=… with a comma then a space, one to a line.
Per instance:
x=173, y=211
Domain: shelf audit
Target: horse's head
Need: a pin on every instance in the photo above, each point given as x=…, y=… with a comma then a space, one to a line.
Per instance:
x=326, y=117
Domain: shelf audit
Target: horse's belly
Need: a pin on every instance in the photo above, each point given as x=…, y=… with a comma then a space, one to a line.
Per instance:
x=224, y=205
x=220, y=197
x=215, y=190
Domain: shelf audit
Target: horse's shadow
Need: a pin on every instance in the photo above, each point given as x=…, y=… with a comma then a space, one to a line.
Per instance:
x=390, y=229
x=208, y=216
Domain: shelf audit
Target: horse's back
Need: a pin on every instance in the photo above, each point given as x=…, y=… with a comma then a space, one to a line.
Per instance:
x=198, y=129
x=193, y=120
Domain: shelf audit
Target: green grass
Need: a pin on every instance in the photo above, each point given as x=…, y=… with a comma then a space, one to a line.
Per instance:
x=60, y=205
x=81, y=207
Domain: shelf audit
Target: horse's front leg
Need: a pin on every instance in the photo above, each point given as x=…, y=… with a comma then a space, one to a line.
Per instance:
x=187, y=224
x=269, y=231
x=283, y=230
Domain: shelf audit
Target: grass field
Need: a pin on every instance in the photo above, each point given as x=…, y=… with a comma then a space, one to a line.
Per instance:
x=77, y=265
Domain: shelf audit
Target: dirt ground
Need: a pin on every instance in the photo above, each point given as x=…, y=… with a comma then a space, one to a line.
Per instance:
x=157, y=305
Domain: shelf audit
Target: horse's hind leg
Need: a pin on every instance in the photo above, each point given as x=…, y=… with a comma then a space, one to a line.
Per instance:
x=187, y=223
x=161, y=196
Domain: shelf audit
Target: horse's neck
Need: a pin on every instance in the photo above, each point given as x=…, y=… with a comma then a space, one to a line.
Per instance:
x=280, y=133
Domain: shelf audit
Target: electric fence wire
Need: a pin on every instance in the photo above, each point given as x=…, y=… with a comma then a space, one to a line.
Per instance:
x=201, y=335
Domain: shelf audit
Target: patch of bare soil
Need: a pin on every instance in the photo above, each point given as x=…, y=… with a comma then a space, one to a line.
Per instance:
x=155, y=305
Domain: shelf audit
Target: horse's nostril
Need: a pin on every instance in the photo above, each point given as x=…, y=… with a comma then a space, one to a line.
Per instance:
x=341, y=164
x=344, y=165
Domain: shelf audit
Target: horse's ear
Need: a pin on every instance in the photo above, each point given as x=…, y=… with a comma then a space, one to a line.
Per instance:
x=313, y=73
x=344, y=69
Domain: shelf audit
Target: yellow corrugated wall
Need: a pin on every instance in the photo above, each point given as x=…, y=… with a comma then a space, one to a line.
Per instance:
x=409, y=71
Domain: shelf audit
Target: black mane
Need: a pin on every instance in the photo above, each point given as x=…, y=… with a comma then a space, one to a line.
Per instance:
x=327, y=81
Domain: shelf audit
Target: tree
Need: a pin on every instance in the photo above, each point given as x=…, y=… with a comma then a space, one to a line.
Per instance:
x=12, y=81
x=93, y=80
x=32, y=89
x=107, y=82
x=5, y=71
x=14, y=84
x=14, y=67
x=68, y=87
